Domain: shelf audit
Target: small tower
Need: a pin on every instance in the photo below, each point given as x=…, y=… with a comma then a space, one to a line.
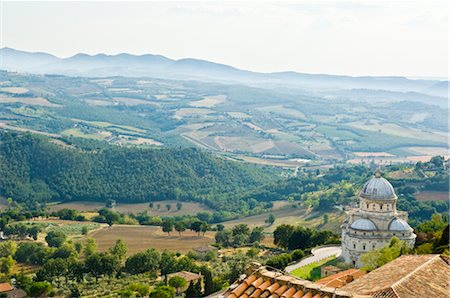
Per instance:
x=375, y=222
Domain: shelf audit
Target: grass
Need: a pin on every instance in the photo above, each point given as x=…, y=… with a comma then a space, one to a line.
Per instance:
x=293, y=216
x=312, y=271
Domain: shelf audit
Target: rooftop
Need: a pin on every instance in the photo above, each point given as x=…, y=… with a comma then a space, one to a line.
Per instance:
x=406, y=276
x=188, y=276
x=265, y=283
x=340, y=279
x=378, y=188
x=5, y=287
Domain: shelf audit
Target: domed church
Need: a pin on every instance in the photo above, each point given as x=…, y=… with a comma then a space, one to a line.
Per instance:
x=375, y=222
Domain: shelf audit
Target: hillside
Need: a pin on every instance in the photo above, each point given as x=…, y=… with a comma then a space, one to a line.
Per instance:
x=35, y=169
x=283, y=127
x=157, y=66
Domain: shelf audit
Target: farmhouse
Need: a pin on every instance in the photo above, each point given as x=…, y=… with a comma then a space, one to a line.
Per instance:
x=7, y=290
x=375, y=222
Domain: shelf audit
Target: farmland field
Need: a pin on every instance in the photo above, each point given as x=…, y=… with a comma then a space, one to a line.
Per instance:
x=293, y=216
x=145, y=111
x=432, y=196
x=140, y=238
x=38, y=101
x=208, y=101
x=186, y=209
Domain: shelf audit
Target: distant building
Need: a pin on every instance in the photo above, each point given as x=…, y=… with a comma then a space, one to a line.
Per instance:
x=329, y=270
x=375, y=222
x=341, y=278
x=7, y=289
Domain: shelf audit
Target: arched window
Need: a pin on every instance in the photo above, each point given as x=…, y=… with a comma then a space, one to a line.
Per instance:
x=381, y=207
x=354, y=245
x=364, y=247
x=367, y=205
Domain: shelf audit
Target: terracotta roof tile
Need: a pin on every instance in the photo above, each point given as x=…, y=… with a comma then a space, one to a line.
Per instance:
x=342, y=278
x=289, y=293
x=5, y=287
x=406, y=276
x=272, y=284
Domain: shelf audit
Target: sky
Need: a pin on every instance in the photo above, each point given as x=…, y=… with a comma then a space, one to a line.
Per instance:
x=382, y=38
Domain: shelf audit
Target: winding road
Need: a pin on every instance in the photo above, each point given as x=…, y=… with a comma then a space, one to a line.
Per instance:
x=318, y=254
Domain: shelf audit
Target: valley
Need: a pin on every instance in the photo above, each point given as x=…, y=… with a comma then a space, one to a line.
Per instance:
x=235, y=121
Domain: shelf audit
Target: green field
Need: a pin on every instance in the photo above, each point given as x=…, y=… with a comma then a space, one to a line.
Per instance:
x=312, y=271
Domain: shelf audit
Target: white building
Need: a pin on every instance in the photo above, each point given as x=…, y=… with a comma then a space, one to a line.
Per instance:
x=375, y=222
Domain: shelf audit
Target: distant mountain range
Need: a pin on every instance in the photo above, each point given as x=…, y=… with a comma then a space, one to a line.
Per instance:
x=158, y=66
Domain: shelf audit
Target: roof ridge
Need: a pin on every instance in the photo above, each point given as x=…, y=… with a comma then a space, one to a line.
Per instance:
x=412, y=272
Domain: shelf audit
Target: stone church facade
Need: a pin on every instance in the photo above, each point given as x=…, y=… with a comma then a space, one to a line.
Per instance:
x=375, y=222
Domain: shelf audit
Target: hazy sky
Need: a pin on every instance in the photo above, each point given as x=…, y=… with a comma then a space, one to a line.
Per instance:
x=336, y=37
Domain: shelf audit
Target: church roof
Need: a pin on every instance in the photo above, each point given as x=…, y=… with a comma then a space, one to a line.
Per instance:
x=363, y=224
x=399, y=225
x=378, y=188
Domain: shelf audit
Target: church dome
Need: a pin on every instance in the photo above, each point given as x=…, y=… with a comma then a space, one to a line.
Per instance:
x=399, y=225
x=363, y=224
x=378, y=188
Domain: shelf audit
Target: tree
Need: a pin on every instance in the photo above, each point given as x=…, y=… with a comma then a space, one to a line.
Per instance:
x=180, y=227
x=194, y=290
x=179, y=206
x=242, y=229
x=220, y=227
x=177, y=282
x=84, y=230
x=224, y=237
x=167, y=226
x=90, y=247
x=271, y=219
x=377, y=258
x=257, y=235
x=139, y=290
x=55, y=238
x=204, y=227
x=119, y=250
x=168, y=206
x=146, y=261
x=99, y=264
x=279, y=261
x=52, y=269
x=163, y=292
x=110, y=203
x=39, y=289
x=158, y=206
x=168, y=263
x=196, y=226
x=7, y=248
x=282, y=235
x=297, y=254
x=208, y=280
x=151, y=205
x=6, y=264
